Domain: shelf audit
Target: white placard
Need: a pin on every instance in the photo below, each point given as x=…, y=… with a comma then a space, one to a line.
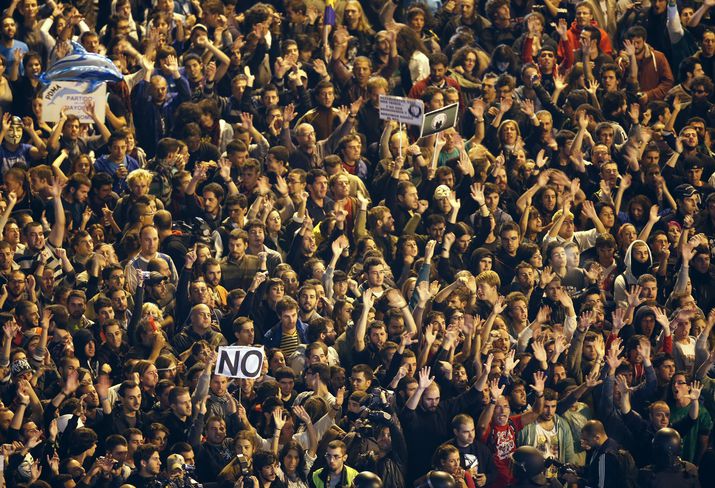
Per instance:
x=240, y=361
x=405, y=110
x=73, y=95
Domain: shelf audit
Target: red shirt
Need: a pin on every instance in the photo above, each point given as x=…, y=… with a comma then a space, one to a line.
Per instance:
x=501, y=439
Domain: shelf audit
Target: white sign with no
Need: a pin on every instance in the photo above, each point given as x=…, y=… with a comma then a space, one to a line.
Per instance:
x=239, y=361
x=405, y=110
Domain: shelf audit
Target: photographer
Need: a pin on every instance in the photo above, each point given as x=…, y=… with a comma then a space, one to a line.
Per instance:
x=377, y=444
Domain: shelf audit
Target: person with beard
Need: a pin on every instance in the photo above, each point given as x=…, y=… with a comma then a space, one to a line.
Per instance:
x=643, y=430
x=551, y=433
x=311, y=151
x=426, y=419
x=238, y=268
x=308, y=302
x=584, y=18
x=437, y=78
x=498, y=429
x=702, y=274
x=654, y=74
x=148, y=466
x=260, y=302
x=216, y=451
x=256, y=230
x=113, y=350
x=475, y=455
x=161, y=292
x=10, y=48
x=509, y=254
x=638, y=261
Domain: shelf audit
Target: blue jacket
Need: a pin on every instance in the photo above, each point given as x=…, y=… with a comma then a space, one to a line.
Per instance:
x=272, y=338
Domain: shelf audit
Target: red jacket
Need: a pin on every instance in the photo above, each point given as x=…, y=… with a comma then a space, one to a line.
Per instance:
x=574, y=34
x=419, y=88
x=566, y=62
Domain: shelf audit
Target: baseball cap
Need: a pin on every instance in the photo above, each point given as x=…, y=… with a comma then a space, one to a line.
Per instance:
x=684, y=190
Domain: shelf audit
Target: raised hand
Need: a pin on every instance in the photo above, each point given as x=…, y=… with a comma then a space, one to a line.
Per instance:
x=547, y=276
x=424, y=378
x=368, y=299
x=477, y=108
x=618, y=319
x=613, y=358
x=302, y=414
x=448, y=240
x=633, y=297
x=542, y=316
x=696, y=388
x=289, y=114
x=495, y=391
x=539, y=382
x=510, y=363
x=539, y=350
x=279, y=418
x=477, y=192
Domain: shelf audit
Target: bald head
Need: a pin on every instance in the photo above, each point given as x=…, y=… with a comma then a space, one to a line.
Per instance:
x=431, y=397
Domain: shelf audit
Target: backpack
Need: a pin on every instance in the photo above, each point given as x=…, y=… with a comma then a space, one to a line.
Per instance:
x=628, y=468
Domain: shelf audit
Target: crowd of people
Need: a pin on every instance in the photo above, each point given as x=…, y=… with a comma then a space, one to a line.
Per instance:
x=523, y=299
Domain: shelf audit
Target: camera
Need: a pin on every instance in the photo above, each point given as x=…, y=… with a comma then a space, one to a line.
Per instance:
x=245, y=471
x=378, y=399
x=192, y=232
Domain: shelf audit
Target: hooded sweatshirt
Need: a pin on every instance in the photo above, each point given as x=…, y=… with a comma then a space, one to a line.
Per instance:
x=630, y=276
x=574, y=40
x=655, y=76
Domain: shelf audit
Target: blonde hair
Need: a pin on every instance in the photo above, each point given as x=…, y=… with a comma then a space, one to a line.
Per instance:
x=139, y=175
x=489, y=277
x=152, y=309
x=363, y=24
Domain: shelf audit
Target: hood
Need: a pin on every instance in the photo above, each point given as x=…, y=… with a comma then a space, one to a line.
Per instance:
x=81, y=338
x=627, y=260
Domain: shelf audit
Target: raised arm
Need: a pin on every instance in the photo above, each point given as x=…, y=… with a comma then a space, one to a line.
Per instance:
x=368, y=301
x=57, y=234
x=424, y=381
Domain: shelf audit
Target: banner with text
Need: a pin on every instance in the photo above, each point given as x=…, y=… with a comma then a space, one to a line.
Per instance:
x=404, y=110
x=73, y=96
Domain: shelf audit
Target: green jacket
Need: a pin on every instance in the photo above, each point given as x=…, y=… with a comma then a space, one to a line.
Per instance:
x=527, y=437
x=321, y=477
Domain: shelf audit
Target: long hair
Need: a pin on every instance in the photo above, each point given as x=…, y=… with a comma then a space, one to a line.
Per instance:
x=363, y=24
x=408, y=41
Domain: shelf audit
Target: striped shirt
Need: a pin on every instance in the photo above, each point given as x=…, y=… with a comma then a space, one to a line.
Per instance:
x=289, y=343
x=29, y=259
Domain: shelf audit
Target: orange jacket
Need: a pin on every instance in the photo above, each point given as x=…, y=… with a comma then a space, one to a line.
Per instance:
x=574, y=34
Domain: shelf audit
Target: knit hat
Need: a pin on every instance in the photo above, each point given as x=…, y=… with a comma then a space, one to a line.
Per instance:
x=441, y=192
x=19, y=367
